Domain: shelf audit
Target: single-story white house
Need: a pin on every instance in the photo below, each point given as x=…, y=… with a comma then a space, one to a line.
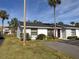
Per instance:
x=7, y=30
x=34, y=29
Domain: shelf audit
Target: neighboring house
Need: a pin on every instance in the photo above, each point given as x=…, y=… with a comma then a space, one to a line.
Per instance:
x=34, y=29
x=7, y=30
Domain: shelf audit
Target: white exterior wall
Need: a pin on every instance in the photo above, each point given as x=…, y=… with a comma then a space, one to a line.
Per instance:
x=42, y=31
x=10, y=32
x=5, y=29
x=68, y=32
x=27, y=31
x=33, y=37
x=39, y=31
x=77, y=32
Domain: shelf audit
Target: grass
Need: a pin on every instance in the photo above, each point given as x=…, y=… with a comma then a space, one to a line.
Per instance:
x=12, y=48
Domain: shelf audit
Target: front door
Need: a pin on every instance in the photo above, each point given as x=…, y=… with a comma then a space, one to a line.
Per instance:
x=58, y=33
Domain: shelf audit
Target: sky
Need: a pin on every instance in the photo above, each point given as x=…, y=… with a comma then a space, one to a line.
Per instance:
x=39, y=10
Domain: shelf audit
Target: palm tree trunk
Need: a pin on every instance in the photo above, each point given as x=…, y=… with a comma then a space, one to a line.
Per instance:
x=55, y=21
x=2, y=26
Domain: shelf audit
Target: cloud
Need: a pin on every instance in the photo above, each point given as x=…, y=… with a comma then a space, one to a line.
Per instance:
x=67, y=11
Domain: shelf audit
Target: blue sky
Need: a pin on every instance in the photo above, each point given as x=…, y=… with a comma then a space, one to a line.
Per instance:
x=40, y=10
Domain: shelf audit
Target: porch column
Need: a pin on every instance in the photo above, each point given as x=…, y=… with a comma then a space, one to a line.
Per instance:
x=56, y=33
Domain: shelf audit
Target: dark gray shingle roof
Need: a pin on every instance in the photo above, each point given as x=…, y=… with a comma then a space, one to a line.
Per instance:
x=45, y=24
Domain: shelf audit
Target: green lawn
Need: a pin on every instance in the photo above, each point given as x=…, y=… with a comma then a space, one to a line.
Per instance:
x=12, y=48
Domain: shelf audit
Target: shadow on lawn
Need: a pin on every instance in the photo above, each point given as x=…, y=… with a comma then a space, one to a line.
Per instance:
x=1, y=40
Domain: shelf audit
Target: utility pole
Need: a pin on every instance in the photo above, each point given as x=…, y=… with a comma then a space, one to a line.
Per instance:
x=24, y=40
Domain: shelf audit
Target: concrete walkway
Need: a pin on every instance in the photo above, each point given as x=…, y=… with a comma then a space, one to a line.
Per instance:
x=70, y=50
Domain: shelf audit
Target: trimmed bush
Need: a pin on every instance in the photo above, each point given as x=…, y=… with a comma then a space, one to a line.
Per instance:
x=41, y=37
x=72, y=37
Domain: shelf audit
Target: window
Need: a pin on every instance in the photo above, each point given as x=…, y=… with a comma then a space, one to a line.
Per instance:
x=50, y=32
x=33, y=31
x=73, y=32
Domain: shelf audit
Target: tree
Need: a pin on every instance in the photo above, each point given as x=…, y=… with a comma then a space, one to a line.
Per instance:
x=54, y=3
x=36, y=21
x=60, y=23
x=13, y=24
x=3, y=16
x=77, y=24
x=73, y=23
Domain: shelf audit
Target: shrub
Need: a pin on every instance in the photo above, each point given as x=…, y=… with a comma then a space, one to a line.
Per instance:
x=41, y=37
x=27, y=36
x=72, y=37
x=77, y=39
x=49, y=38
x=52, y=38
x=21, y=36
x=55, y=38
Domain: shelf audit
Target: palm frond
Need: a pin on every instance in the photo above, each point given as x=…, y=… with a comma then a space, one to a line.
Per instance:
x=58, y=1
x=3, y=14
x=54, y=2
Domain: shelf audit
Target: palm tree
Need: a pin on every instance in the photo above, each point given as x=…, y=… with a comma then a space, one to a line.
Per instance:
x=3, y=16
x=13, y=24
x=54, y=3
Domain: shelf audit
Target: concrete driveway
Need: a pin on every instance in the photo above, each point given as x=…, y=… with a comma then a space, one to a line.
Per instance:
x=68, y=49
x=72, y=42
